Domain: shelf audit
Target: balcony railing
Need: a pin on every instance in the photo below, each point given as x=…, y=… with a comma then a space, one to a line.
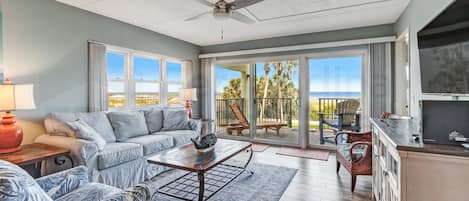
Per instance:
x=268, y=110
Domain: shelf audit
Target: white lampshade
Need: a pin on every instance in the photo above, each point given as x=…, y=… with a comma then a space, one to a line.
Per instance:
x=188, y=94
x=16, y=97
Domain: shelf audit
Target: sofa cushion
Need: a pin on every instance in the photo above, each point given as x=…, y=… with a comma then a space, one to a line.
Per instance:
x=86, y=132
x=154, y=119
x=100, y=122
x=175, y=119
x=153, y=143
x=357, y=151
x=118, y=153
x=55, y=123
x=90, y=191
x=128, y=124
x=16, y=184
x=180, y=137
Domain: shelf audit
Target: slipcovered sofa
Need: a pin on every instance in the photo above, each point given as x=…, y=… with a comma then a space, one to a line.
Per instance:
x=114, y=145
x=69, y=185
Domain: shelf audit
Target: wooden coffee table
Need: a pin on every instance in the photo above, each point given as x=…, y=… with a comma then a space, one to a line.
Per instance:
x=207, y=172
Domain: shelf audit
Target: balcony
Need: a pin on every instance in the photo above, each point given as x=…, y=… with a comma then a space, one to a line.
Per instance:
x=278, y=110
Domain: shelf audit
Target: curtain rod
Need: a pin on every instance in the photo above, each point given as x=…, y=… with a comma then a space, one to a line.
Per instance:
x=301, y=47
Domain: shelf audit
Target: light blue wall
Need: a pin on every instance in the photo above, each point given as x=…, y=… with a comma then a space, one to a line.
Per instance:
x=417, y=14
x=45, y=43
x=328, y=36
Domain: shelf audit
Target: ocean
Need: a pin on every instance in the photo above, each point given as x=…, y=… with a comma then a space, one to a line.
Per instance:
x=335, y=94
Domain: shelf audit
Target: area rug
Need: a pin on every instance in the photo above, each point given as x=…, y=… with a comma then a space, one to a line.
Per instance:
x=268, y=183
x=304, y=153
x=259, y=147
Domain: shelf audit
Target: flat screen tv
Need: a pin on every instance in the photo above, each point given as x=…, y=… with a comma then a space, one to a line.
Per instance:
x=444, y=52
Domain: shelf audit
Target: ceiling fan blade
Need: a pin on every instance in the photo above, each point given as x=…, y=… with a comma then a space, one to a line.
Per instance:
x=198, y=16
x=204, y=2
x=244, y=3
x=241, y=17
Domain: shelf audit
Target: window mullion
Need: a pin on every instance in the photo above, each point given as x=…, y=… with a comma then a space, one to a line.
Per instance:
x=131, y=81
x=164, y=84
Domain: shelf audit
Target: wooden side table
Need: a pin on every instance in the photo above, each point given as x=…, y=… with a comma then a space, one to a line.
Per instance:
x=31, y=156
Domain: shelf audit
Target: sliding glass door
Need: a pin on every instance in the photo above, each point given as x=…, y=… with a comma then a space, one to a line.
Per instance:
x=334, y=96
x=267, y=100
x=277, y=101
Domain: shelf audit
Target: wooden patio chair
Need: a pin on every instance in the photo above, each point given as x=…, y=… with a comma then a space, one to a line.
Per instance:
x=354, y=154
x=244, y=124
x=345, y=117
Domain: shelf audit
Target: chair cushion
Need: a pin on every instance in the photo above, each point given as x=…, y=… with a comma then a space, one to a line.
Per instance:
x=118, y=153
x=90, y=191
x=153, y=143
x=100, y=122
x=16, y=184
x=175, y=119
x=357, y=152
x=128, y=124
x=86, y=132
x=154, y=119
x=180, y=137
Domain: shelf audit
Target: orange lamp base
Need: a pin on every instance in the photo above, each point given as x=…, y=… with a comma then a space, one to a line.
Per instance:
x=188, y=108
x=11, y=135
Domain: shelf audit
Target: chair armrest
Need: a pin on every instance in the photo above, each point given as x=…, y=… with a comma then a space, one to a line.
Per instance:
x=367, y=150
x=195, y=125
x=61, y=183
x=354, y=136
x=140, y=192
x=82, y=151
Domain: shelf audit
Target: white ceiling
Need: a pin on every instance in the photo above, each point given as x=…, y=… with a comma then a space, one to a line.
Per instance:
x=274, y=17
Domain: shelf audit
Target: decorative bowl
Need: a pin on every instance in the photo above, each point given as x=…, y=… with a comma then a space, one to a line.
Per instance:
x=205, y=144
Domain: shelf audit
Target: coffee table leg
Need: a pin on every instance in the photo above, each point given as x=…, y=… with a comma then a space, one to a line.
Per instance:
x=201, y=185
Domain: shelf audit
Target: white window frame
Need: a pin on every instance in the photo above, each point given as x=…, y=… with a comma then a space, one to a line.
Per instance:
x=129, y=79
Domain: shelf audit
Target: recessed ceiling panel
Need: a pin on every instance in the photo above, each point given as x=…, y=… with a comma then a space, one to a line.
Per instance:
x=270, y=9
x=274, y=17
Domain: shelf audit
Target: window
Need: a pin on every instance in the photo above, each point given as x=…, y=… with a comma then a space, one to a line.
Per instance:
x=137, y=79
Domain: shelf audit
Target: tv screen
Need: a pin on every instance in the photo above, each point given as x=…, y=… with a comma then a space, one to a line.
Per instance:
x=444, y=51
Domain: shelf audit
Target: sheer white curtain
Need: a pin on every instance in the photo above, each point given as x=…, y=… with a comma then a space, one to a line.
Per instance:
x=97, y=77
x=208, y=88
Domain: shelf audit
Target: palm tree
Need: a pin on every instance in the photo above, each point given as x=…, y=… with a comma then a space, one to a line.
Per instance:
x=266, y=87
x=233, y=90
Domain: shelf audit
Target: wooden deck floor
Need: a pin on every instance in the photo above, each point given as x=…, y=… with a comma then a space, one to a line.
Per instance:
x=317, y=180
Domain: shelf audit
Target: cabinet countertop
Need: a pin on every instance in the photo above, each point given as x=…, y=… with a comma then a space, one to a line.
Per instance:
x=399, y=133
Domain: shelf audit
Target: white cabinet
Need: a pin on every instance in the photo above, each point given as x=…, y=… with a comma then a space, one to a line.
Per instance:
x=402, y=175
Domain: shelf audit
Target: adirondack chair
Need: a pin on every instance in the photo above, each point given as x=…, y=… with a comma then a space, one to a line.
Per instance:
x=345, y=117
x=244, y=124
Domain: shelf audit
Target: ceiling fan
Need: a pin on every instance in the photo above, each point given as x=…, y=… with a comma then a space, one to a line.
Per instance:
x=223, y=10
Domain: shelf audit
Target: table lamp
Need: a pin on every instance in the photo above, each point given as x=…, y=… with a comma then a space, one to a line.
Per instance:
x=13, y=97
x=189, y=94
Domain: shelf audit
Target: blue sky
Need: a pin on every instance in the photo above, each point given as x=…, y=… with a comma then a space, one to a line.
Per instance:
x=341, y=74
x=146, y=69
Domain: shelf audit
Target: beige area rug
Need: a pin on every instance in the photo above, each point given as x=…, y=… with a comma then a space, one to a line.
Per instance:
x=304, y=153
x=259, y=147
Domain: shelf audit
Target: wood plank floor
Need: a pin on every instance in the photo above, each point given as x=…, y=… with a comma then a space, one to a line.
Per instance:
x=317, y=180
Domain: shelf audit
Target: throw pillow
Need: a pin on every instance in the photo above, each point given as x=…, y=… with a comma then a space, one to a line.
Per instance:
x=56, y=123
x=86, y=132
x=100, y=122
x=17, y=184
x=175, y=119
x=154, y=119
x=128, y=124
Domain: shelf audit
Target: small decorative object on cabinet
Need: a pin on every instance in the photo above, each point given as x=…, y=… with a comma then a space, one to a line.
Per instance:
x=189, y=94
x=13, y=97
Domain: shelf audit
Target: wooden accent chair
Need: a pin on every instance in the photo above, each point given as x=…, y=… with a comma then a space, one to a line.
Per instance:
x=345, y=117
x=244, y=124
x=354, y=153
